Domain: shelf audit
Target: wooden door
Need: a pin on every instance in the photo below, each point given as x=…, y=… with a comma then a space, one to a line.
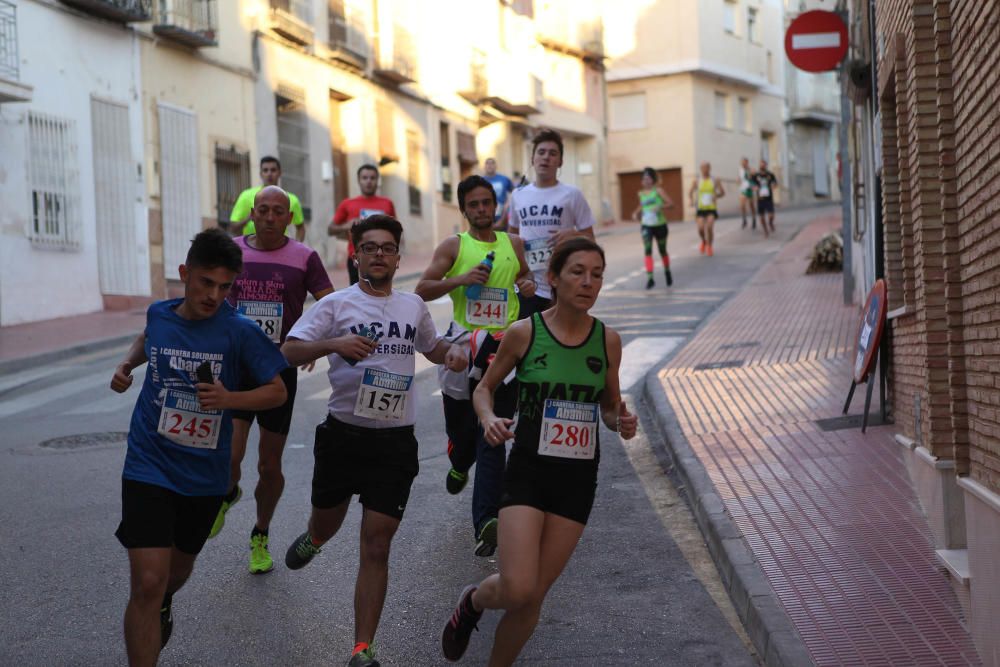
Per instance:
x=629, y=184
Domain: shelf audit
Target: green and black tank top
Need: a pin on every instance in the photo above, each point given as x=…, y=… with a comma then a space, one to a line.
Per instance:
x=559, y=395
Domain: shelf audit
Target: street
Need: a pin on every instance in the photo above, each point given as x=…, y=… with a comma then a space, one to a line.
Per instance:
x=640, y=589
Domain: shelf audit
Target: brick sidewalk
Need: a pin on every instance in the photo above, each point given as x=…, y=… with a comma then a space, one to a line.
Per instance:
x=830, y=517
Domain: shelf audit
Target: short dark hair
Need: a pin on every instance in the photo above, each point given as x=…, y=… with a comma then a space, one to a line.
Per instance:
x=547, y=134
x=214, y=248
x=649, y=171
x=365, y=166
x=564, y=250
x=470, y=184
x=380, y=221
x=270, y=158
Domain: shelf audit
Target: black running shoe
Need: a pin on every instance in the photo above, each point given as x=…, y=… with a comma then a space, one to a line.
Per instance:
x=486, y=541
x=456, y=481
x=166, y=625
x=364, y=658
x=649, y=283
x=455, y=638
x=300, y=552
x=670, y=278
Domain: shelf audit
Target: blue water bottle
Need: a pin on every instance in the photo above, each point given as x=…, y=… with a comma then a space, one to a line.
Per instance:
x=472, y=291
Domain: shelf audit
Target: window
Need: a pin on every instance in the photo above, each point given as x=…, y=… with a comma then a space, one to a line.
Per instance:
x=445, y=162
x=346, y=23
x=467, y=159
x=293, y=143
x=744, y=121
x=54, y=180
x=729, y=16
x=753, y=25
x=232, y=176
x=413, y=170
x=627, y=112
x=722, y=116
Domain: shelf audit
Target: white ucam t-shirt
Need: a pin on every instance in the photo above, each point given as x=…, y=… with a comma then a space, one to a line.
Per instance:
x=376, y=392
x=537, y=214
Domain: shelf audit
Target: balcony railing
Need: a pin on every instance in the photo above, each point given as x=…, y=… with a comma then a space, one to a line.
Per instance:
x=125, y=11
x=8, y=41
x=584, y=39
x=190, y=22
x=348, y=39
x=293, y=20
x=398, y=63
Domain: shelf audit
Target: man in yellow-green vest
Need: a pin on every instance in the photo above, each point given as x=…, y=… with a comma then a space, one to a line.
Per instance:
x=270, y=174
x=479, y=270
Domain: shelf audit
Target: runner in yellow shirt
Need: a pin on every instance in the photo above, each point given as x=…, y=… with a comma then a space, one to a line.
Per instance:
x=270, y=174
x=708, y=190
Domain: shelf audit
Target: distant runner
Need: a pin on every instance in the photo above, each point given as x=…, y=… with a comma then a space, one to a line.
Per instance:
x=708, y=191
x=270, y=174
x=350, y=211
x=766, y=184
x=746, y=194
x=652, y=202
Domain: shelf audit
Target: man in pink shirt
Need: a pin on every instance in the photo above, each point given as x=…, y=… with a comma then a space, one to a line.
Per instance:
x=355, y=209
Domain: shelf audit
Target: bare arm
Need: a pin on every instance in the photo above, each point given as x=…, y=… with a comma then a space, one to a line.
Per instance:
x=135, y=357
x=323, y=292
x=694, y=189
x=301, y=352
x=269, y=395
x=614, y=414
x=512, y=348
x=719, y=190
x=667, y=201
x=452, y=356
x=433, y=284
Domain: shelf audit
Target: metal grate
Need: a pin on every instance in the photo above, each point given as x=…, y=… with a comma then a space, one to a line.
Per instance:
x=741, y=345
x=54, y=179
x=293, y=143
x=8, y=41
x=232, y=176
x=717, y=365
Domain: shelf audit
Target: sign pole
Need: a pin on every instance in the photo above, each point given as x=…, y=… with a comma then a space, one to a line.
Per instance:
x=846, y=182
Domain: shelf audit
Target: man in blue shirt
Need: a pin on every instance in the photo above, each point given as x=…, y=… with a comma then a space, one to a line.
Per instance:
x=503, y=187
x=177, y=462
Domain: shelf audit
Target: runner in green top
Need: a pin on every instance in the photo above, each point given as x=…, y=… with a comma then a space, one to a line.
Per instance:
x=567, y=363
x=652, y=201
x=482, y=293
x=270, y=174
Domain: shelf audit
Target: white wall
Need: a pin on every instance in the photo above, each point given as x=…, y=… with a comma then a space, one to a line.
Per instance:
x=67, y=59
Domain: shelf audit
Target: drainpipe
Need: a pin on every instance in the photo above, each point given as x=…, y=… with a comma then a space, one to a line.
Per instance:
x=846, y=194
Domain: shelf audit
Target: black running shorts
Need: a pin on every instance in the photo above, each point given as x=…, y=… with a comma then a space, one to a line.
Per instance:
x=706, y=212
x=564, y=488
x=378, y=465
x=765, y=205
x=279, y=419
x=658, y=232
x=156, y=517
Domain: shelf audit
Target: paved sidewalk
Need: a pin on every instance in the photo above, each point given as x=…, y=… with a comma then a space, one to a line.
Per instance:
x=825, y=523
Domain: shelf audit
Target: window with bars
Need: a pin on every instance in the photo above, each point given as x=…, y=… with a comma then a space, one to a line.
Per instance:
x=54, y=180
x=445, y=140
x=232, y=176
x=413, y=171
x=293, y=144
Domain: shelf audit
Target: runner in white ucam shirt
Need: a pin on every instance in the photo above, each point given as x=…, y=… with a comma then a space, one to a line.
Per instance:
x=370, y=334
x=545, y=213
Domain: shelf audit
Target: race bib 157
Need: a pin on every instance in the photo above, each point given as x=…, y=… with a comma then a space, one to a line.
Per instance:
x=382, y=395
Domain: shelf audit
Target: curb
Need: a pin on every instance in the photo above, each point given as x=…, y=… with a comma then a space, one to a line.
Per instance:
x=10, y=366
x=769, y=627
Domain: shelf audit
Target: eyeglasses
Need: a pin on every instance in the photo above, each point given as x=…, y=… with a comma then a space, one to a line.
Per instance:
x=388, y=249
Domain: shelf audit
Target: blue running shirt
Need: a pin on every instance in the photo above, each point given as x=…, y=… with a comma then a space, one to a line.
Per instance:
x=172, y=441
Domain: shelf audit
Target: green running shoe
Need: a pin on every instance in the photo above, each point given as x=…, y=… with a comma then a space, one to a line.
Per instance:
x=456, y=481
x=300, y=552
x=364, y=658
x=166, y=625
x=220, y=518
x=487, y=540
x=260, y=560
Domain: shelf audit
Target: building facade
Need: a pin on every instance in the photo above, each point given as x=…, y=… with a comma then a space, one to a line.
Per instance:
x=926, y=218
x=690, y=82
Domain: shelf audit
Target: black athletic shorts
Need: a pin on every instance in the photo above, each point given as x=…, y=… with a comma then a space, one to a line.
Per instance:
x=379, y=465
x=564, y=488
x=658, y=232
x=531, y=305
x=765, y=205
x=279, y=419
x=705, y=212
x=156, y=517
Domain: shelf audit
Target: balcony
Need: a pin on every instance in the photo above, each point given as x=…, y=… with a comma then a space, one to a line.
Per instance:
x=348, y=39
x=123, y=11
x=583, y=39
x=814, y=98
x=11, y=90
x=189, y=22
x=478, y=87
x=292, y=19
x=398, y=63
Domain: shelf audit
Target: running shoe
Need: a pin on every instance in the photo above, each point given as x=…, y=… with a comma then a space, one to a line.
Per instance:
x=456, y=481
x=701, y=248
x=455, y=638
x=708, y=250
x=220, y=518
x=670, y=278
x=166, y=625
x=300, y=552
x=260, y=559
x=649, y=283
x=486, y=544
x=365, y=658
x=744, y=223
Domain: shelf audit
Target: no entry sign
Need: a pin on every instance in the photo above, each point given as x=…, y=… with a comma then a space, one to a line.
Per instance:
x=816, y=41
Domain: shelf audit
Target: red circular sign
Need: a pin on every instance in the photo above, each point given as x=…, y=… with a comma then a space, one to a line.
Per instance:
x=816, y=41
x=870, y=331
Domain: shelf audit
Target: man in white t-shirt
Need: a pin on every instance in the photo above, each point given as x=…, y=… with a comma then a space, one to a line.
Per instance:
x=545, y=213
x=369, y=334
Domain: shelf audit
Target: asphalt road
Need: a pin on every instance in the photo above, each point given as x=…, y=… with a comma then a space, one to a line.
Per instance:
x=640, y=588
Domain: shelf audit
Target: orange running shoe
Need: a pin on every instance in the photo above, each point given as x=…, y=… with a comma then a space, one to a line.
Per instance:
x=702, y=248
x=709, y=251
